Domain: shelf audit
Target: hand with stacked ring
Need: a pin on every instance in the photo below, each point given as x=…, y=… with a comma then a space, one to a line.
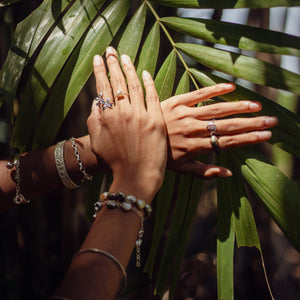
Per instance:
x=194, y=131
x=131, y=138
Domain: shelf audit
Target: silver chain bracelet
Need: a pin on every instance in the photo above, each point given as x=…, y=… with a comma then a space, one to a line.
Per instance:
x=19, y=198
x=81, y=168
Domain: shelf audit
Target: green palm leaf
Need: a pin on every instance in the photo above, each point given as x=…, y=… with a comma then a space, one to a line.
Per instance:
x=131, y=38
x=29, y=35
x=149, y=52
x=241, y=36
x=282, y=202
x=227, y=3
x=242, y=66
x=235, y=220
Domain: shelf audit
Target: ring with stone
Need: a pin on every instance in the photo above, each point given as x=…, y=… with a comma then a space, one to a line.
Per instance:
x=211, y=127
x=120, y=94
x=99, y=100
x=107, y=104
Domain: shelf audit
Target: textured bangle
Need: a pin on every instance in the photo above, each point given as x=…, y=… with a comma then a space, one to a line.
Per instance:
x=127, y=203
x=86, y=176
x=117, y=262
x=19, y=198
x=61, y=167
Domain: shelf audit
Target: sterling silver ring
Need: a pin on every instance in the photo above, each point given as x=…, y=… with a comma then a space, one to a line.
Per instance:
x=103, y=103
x=211, y=127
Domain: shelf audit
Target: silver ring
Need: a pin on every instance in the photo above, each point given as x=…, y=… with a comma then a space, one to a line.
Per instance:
x=120, y=94
x=214, y=143
x=211, y=127
x=102, y=103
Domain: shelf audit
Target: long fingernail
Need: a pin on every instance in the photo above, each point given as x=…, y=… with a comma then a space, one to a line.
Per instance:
x=271, y=121
x=254, y=106
x=264, y=135
x=110, y=51
x=146, y=75
x=125, y=59
x=97, y=60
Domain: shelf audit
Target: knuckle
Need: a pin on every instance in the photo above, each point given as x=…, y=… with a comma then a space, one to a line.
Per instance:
x=135, y=87
x=228, y=142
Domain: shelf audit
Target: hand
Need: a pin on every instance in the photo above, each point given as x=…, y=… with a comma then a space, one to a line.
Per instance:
x=188, y=136
x=130, y=139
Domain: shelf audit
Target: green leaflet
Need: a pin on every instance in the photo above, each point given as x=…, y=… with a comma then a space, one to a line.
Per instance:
x=163, y=202
x=165, y=78
x=235, y=219
x=148, y=57
x=242, y=66
x=164, y=198
x=285, y=135
x=227, y=3
x=56, y=50
x=78, y=69
x=241, y=36
x=131, y=38
x=182, y=197
x=28, y=36
x=281, y=202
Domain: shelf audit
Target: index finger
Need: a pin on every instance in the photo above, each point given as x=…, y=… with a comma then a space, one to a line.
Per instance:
x=192, y=98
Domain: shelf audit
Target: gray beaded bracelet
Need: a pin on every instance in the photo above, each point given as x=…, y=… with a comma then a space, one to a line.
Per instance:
x=126, y=203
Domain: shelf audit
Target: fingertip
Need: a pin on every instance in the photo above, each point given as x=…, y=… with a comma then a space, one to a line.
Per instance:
x=97, y=60
x=111, y=51
x=225, y=173
x=146, y=75
x=229, y=86
x=125, y=59
x=264, y=135
x=255, y=106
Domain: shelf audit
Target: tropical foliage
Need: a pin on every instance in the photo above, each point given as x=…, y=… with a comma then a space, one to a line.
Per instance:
x=51, y=54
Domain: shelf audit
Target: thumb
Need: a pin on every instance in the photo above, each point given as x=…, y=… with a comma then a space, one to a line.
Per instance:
x=201, y=170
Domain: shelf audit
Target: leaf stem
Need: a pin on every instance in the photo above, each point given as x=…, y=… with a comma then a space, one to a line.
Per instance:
x=171, y=42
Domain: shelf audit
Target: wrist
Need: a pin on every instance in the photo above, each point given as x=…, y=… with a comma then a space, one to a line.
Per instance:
x=142, y=189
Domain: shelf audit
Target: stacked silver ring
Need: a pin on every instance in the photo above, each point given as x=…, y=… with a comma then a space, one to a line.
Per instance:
x=212, y=128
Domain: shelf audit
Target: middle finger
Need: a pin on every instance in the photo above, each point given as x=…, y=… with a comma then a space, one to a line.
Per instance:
x=118, y=82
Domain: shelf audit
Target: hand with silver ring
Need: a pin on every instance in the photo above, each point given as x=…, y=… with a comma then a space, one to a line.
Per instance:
x=103, y=104
x=190, y=129
x=124, y=137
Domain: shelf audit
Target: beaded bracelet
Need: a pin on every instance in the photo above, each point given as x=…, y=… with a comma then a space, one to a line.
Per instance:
x=126, y=203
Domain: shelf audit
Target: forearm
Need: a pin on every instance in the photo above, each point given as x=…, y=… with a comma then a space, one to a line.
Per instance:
x=38, y=172
x=93, y=275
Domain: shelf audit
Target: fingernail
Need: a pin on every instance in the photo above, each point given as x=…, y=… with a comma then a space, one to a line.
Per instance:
x=271, y=121
x=97, y=60
x=146, y=75
x=264, y=135
x=254, y=106
x=228, y=86
x=125, y=59
x=110, y=51
x=225, y=173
